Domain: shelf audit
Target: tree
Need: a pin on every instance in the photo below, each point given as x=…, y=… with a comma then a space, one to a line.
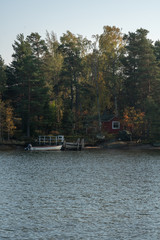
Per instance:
x=53, y=62
x=2, y=118
x=72, y=68
x=7, y=125
x=140, y=69
x=29, y=87
x=153, y=119
x=111, y=47
x=38, y=45
x=134, y=121
x=3, y=77
x=9, y=121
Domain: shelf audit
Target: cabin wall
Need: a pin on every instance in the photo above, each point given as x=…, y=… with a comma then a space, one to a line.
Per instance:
x=108, y=126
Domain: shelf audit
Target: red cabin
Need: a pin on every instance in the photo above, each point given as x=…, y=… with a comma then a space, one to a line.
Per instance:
x=112, y=125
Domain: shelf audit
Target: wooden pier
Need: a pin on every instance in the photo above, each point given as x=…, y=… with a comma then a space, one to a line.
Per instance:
x=79, y=145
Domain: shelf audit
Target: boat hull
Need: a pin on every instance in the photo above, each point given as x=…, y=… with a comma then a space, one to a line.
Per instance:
x=45, y=148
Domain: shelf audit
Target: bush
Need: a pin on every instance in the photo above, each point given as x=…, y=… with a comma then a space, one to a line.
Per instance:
x=125, y=135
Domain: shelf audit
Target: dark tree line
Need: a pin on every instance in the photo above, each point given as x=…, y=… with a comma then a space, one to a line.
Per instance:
x=63, y=86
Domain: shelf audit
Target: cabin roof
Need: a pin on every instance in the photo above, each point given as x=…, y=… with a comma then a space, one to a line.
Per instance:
x=107, y=117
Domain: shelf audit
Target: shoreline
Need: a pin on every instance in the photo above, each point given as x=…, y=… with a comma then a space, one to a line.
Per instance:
x=106, y=145
x=125, y=145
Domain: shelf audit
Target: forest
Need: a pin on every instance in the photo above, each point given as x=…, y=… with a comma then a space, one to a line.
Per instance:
x=64, y=86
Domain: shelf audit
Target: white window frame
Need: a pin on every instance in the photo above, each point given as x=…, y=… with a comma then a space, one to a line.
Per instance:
x=117, y=123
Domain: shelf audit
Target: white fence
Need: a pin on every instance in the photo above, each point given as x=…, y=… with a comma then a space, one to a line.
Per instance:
x=43, y=140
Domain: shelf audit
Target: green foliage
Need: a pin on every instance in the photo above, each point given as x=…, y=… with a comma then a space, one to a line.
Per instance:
x=61, y=86
x=125, y=135
x=140, y=68
x=3, y=77
x=112, y=49
x=30, y=92
x=67, y=122
x=153, y=119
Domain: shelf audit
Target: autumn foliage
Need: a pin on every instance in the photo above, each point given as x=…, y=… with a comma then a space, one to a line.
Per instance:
x=134, y=121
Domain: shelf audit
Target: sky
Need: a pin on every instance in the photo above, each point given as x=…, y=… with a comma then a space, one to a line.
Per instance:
x=84, y=17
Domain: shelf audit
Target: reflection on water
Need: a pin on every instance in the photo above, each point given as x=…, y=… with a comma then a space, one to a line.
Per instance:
x=93, y=194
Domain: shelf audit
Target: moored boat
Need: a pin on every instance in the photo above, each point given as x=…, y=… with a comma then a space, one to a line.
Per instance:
x=43, y=148
x=47, y=143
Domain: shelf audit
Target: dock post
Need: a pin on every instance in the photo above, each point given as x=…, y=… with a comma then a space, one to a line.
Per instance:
x=78, y=141
x=64, y=145
x=82, y=143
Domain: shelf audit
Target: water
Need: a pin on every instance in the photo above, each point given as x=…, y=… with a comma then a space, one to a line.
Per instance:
x=93, y=194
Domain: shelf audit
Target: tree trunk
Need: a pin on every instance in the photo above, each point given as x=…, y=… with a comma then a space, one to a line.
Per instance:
x=29, y=109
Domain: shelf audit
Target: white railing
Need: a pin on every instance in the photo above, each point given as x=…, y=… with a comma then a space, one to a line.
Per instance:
x=42, y=140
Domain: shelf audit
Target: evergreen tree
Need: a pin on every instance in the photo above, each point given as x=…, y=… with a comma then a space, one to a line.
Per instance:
x=140, y=69
x=3, y=77
x=29, y=87
x=71, y=72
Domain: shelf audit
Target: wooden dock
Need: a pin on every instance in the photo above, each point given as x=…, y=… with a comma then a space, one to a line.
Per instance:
x=78, y=145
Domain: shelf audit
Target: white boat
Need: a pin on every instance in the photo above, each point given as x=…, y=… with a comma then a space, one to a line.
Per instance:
x=47, y=143
x=43, y=148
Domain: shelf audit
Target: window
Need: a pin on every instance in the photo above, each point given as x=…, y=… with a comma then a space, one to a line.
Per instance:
x=115, y=125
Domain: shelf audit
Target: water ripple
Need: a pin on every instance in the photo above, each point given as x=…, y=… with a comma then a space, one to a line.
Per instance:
x=94, y=194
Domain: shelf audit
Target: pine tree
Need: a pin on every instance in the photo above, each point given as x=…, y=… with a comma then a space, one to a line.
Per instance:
x=30, y=92
x=140, y=69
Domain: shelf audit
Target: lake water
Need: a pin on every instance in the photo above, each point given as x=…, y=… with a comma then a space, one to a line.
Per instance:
x=92, y=194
